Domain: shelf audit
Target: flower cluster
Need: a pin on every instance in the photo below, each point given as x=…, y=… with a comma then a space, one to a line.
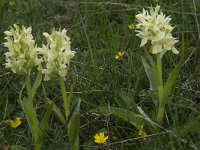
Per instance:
x=23, y=53
x=155, y=27
x=57, y=54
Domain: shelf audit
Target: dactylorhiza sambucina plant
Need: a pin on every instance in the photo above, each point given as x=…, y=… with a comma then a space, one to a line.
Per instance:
x=23, y=59
x=57, y=55
x=154, y=27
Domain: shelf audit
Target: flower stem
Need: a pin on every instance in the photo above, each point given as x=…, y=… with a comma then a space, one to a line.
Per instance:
x=28, y=87
x=64, y=95
x=160, y=114
x=161, y=108
x=31, y=115
x=159, y=67
x=74, y=144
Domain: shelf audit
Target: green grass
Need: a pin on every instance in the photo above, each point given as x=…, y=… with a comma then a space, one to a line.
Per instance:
x=98, y=30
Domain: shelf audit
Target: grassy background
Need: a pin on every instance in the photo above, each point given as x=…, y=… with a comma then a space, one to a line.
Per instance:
x=98, y=30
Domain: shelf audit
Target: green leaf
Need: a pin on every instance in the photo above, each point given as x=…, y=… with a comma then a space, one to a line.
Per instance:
x=45, y=119
x=58, y=113
x=75, y=109
x=151, y=75
x=56, y=110
x=72, y=89
x=37, y=83
x=74, y=129
x=31, y=118
x=127, y=115
x=171, y=80
x=18, y=147
x=28, y=111
x=20, y=93
x=126, y=101
x=74, y=126
x=152, y=63
x=146, y=117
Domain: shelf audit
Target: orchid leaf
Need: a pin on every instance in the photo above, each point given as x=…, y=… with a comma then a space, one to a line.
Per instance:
x=151, y=75
x=70, y=97
x=171, y=80
x=74, y=125
x=36, y=83
x=45, y=119
x=127, y=115
x=56, y=110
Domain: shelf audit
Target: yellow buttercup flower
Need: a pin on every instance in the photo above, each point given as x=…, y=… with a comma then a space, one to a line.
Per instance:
x=100, y=138
x=119, y=54
x=131, y=26
x=142, y=133
x=15, y=123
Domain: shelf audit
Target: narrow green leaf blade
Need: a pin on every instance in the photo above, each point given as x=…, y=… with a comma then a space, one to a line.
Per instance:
x=74, y=110
x=58, y=113
x=74, y=126
x=31, y=118
x=45, y=119
x=74, y=129
x=171, y=80
x=37, y=83
x=126, y=101
x=56, y=110
x=152, y=63
x=151, y=75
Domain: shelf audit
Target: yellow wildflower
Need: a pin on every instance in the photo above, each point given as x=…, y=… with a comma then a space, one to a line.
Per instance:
x=131, y=26
x=15, y=123
x=119, y=55
x=142, y=133
x=100, y=138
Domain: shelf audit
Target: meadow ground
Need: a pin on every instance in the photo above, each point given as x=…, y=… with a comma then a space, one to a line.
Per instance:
x=98, y=31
